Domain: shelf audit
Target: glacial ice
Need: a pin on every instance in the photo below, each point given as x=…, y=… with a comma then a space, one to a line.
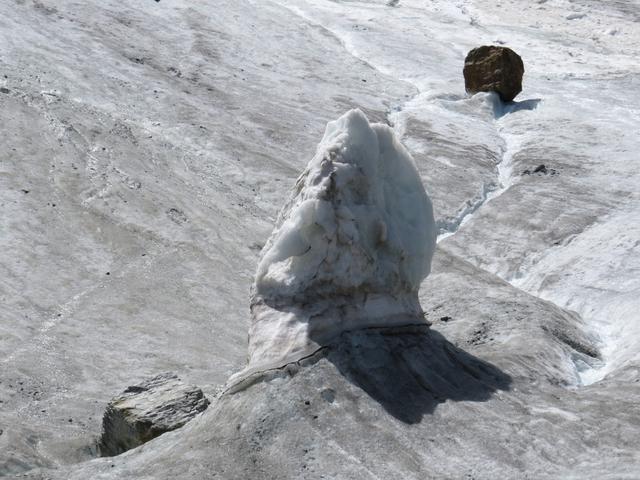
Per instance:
x=350, y=247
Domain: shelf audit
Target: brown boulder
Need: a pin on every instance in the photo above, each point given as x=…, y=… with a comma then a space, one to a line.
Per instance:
x=494, y=69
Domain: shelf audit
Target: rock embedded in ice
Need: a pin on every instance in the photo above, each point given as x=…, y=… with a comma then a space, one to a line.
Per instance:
x=494, y=69
x=147, y=410
x=349, y=249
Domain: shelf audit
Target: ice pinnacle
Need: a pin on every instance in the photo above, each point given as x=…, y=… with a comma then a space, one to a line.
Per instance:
x=350, y=248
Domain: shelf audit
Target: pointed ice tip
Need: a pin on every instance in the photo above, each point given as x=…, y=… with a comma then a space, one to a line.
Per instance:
x=352, y=126
x=350, y=247
x=353, y=119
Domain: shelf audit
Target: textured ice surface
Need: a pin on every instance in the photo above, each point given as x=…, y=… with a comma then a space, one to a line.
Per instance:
x=604, y=286
x=350, y=248
x=157, y=141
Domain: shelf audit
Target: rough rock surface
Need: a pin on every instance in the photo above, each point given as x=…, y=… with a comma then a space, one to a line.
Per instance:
x=350, y=248
x=145, y=411
x=494, y=69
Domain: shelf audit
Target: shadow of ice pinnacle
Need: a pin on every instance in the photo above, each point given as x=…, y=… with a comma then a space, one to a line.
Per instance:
x=410, y=370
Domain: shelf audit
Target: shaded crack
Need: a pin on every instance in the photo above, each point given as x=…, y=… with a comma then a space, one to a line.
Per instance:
x=292, y=367
x=448, y=227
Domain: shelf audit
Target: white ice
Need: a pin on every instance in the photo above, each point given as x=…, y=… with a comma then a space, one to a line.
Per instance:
x=350, y=248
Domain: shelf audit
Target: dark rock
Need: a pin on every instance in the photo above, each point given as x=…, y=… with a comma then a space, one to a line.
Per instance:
x=540, y=170
x=177, y=216
x=494, y=69
x=144, y=411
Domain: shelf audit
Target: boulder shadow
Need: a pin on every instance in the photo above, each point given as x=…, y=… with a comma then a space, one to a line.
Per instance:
x=506, y=108
x=410, y=370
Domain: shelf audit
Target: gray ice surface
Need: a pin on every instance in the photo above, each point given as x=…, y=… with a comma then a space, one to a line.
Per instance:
x=146, y=149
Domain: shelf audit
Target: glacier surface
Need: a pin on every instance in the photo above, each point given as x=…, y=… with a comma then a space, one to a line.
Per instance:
x=147, y=148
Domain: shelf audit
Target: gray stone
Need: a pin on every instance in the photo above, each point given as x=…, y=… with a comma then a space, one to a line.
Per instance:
x=144, y=411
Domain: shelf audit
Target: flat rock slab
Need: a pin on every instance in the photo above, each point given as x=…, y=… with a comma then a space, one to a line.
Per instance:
x=144, y=411
x=494, y=69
